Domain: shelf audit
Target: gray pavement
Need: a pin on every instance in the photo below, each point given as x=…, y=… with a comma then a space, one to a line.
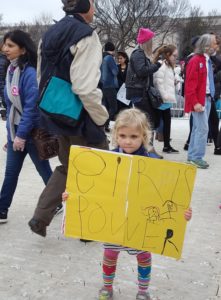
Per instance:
x=57, y=268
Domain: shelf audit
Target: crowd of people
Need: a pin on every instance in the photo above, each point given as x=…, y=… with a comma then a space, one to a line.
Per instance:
x=71, y=50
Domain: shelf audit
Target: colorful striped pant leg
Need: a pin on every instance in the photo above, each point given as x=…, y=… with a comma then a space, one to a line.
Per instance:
x=109, y=267
x=144, y=270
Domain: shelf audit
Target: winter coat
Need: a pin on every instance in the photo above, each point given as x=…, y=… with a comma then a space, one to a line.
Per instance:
x=139, y=74
x=3, y=69
x=195, y=82
x=28, y=91
x=74, y=47
x=164, y=81
x=109, y=71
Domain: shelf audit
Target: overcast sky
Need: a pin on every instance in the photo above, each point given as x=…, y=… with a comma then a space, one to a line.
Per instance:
x=14, y=11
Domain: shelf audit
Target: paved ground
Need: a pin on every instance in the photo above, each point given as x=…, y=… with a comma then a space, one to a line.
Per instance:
x=56, y=268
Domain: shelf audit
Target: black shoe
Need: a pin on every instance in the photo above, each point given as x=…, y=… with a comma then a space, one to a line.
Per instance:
x=3, y=217
x=217, y=151
x=186, y=147
x=85, y=241
x=59, y=209
x=170, y=150
x=37, y=227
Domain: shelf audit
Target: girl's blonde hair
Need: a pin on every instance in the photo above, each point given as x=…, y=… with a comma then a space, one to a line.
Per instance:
x=135, y=118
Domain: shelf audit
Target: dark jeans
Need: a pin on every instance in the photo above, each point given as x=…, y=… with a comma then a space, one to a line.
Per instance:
x=191, y=127
x=51, y=196
x=219, y=139
x=110, y=102
x=213, y=123
x=153, y=115
x=14, y=165
x=166, y=116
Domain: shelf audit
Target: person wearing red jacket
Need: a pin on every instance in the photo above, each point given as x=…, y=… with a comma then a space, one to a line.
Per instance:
x=199, y=90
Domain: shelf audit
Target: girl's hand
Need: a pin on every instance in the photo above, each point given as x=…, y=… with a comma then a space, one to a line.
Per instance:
x=188, y=214
x=65, y=196
x=18, y=144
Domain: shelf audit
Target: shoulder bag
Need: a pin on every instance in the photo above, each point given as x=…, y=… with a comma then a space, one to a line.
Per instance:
x=46, y=143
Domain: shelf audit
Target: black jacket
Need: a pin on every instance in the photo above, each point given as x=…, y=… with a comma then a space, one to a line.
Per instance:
x=3, y=70
x=139, y=74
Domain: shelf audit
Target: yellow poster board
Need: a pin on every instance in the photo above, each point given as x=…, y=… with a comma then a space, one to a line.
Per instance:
x=134, y=201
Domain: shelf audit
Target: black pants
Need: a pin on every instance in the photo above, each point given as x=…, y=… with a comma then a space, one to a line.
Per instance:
x=219, y=139
x=110, y=102
x=166, y=116
x=191, y=126
x=153, y=115
x=213, y=123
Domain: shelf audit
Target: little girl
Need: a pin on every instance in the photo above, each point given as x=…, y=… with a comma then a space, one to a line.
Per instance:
x=131, y=135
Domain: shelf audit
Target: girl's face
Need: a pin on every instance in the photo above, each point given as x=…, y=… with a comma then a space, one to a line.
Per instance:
x=173, y=57
x=129, y=139
x=12, y=50
x=121, y=60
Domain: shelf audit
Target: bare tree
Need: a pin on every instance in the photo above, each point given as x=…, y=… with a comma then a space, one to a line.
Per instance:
x=39, y=26
x=195, y=24
x=119, y=20
x=36, y=28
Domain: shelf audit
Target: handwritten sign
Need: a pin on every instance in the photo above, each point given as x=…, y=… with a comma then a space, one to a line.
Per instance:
x=133, y=201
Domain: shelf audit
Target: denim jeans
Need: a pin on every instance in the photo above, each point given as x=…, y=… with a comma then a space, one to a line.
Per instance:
x=14, y=164
x=199, y=134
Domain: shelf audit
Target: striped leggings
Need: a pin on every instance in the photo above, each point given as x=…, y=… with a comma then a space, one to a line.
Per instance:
x=110, y=264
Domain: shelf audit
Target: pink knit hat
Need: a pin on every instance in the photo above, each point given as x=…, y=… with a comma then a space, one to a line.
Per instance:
x=144, y=35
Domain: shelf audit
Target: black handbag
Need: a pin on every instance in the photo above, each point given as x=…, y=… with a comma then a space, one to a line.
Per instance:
x=46, y=143
x=154, y=97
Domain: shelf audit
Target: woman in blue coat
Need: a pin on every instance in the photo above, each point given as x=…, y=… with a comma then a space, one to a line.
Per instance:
x=21, y=93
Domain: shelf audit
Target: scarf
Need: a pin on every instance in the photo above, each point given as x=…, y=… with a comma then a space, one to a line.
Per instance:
x=12, y=82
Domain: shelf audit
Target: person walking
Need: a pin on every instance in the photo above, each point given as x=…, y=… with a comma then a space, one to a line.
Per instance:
x=21, y=94
x=73, y=45
x=199, y=90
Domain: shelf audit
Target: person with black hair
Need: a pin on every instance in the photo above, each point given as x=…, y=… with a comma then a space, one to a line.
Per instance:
x=21, y=93
x=123, y=61
x=109, y=72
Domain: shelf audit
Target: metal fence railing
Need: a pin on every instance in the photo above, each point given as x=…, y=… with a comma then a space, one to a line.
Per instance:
x=177, y=110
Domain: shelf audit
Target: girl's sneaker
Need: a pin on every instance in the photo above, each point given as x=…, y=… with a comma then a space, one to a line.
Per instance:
x=143, y=296
x=105, y=294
